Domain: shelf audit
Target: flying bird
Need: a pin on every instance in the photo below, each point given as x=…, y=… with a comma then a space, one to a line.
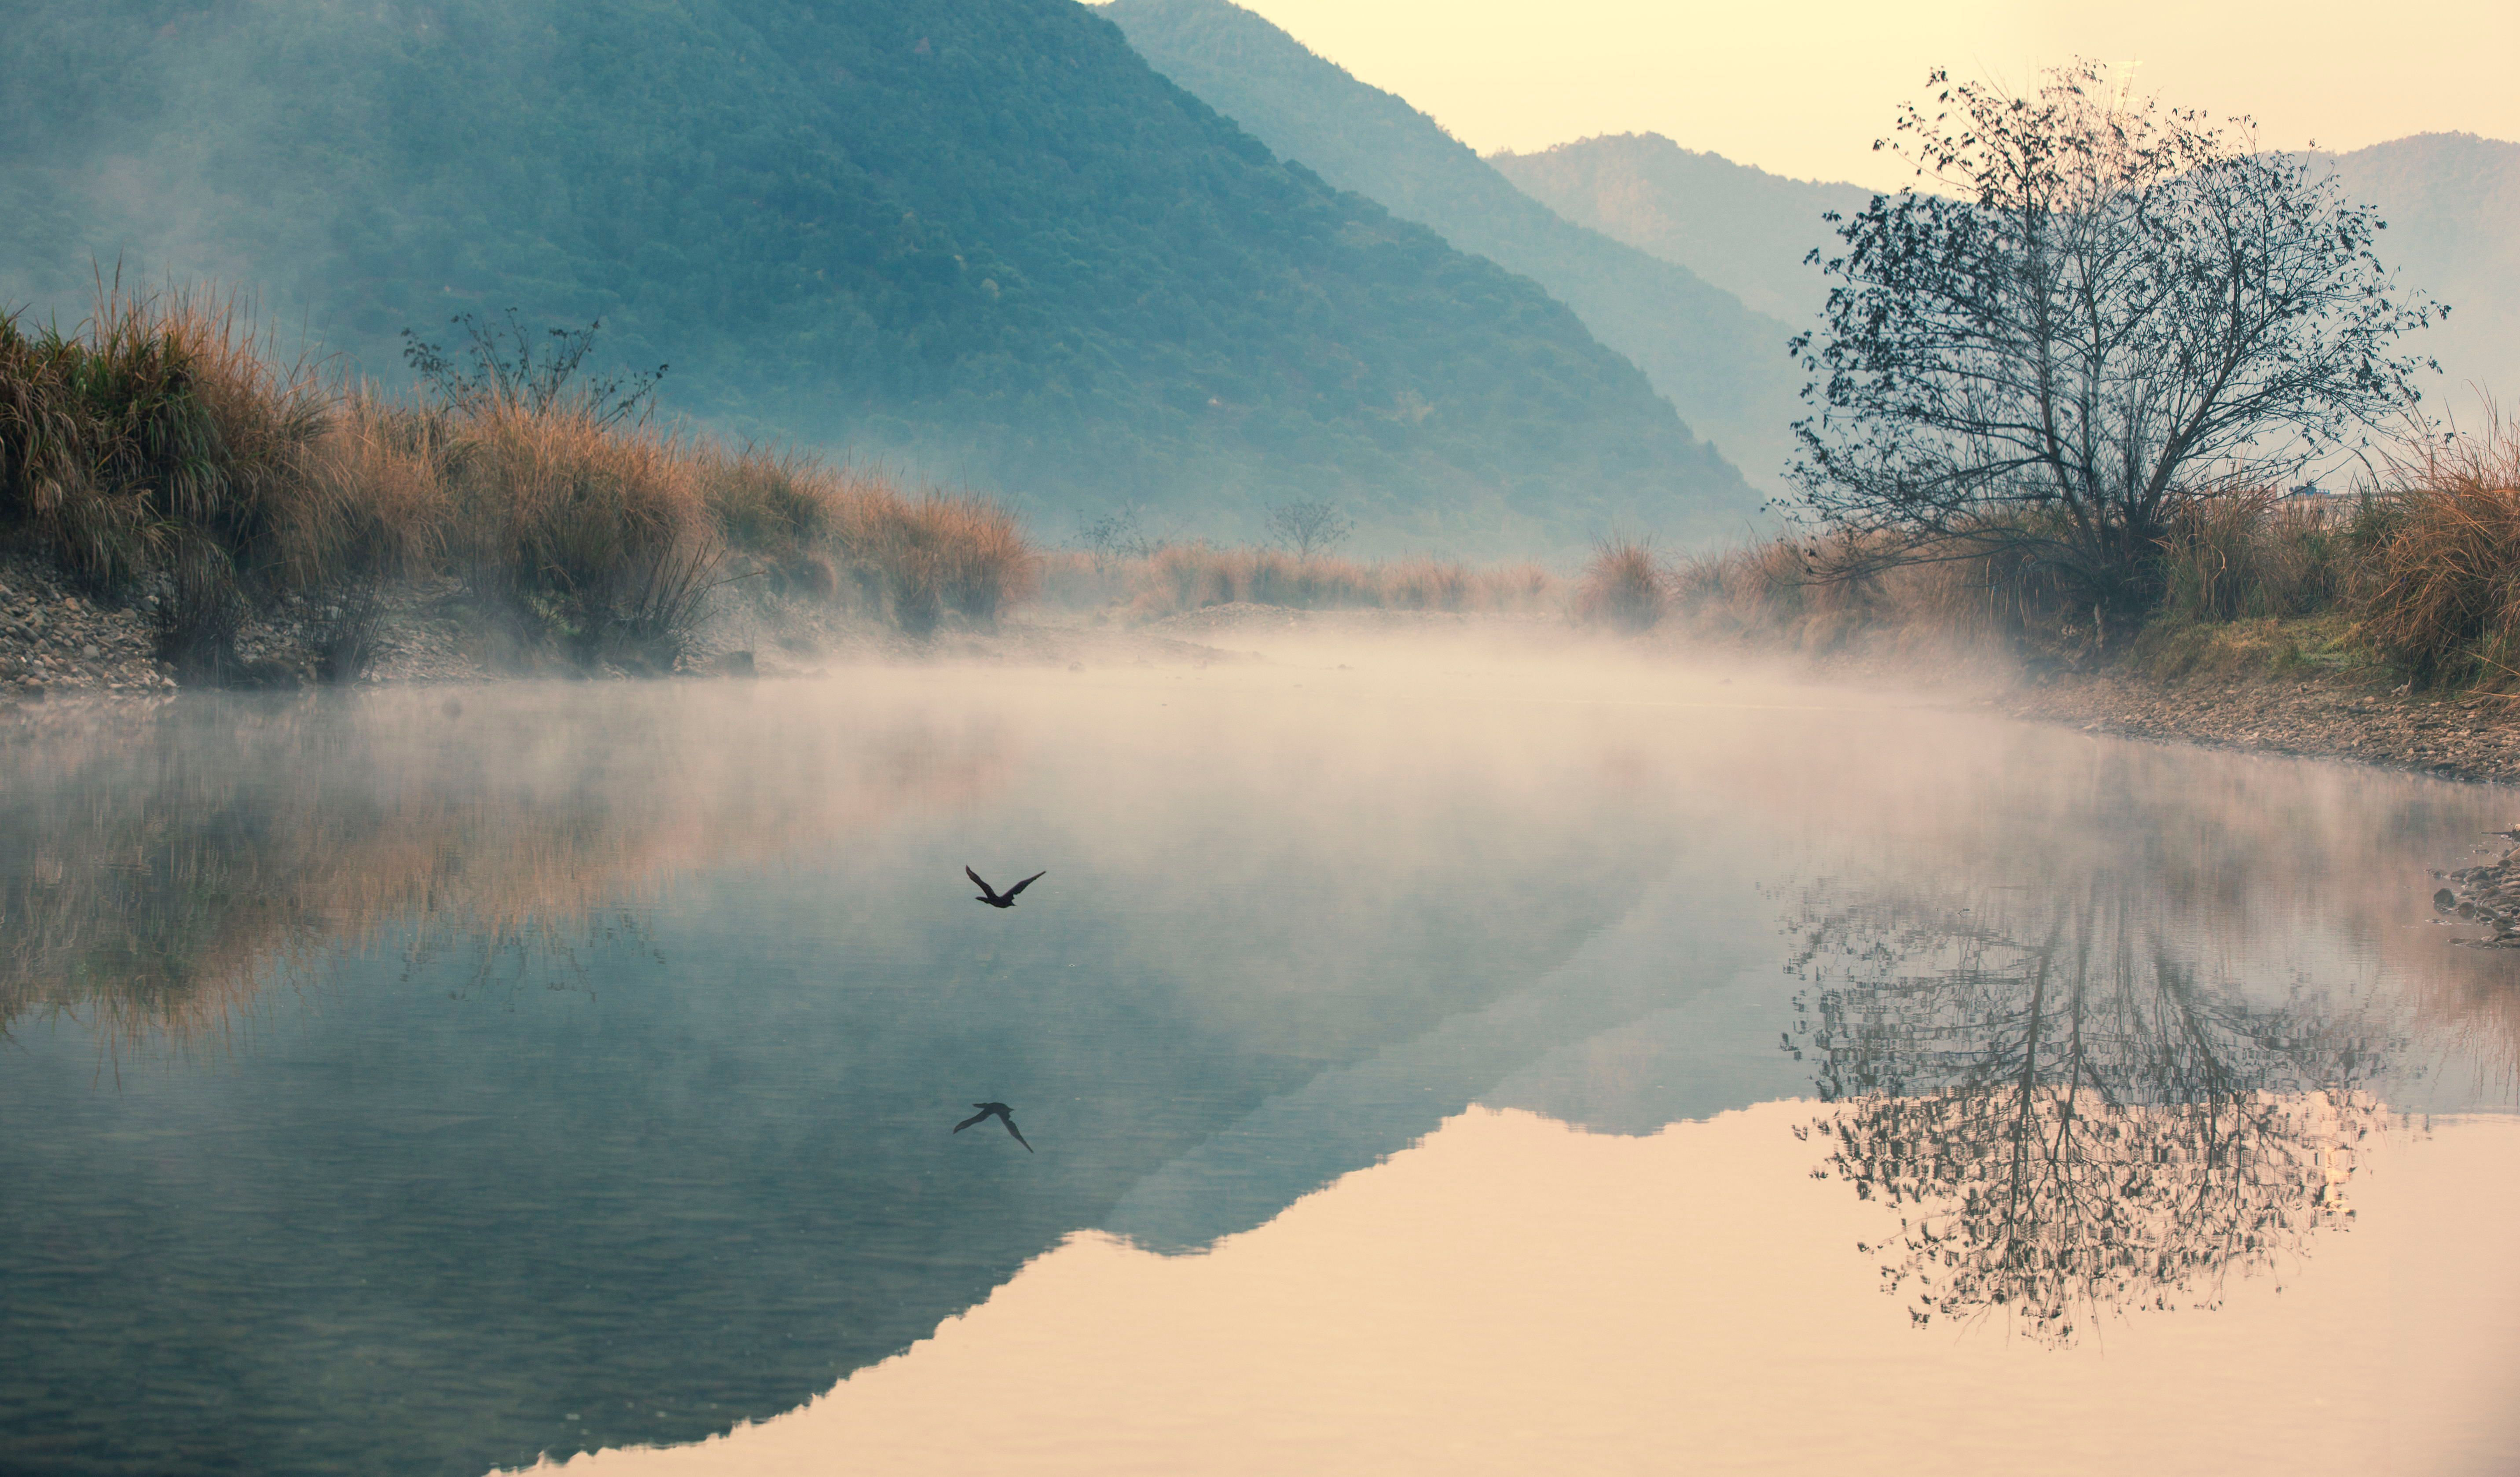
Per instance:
x=995, y=899
x=998, y=1110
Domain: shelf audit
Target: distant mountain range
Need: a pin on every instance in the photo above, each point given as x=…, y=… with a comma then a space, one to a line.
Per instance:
x=1739, y=227
x=2452, y=204
x=2452, y=200
x=980, y=237
x=1721, y=362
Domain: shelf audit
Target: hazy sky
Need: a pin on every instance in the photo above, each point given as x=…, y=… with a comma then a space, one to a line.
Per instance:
x=1803, y=89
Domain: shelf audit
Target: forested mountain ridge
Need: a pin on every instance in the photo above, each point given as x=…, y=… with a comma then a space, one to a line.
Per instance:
x=1737, y=225
x=979, y=235
x=1722, y=364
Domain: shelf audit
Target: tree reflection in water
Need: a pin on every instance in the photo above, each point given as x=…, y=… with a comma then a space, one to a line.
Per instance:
x=2070, y=1114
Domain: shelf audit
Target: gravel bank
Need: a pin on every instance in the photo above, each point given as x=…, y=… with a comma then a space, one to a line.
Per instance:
x=2461, y=736
x=55, y=644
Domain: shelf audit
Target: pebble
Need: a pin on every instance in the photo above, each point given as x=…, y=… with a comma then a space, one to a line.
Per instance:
x=54, y=643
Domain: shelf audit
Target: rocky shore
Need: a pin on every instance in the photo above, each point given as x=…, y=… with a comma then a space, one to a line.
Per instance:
x=54, y=643
x=2331, y=716
x=2486, y=894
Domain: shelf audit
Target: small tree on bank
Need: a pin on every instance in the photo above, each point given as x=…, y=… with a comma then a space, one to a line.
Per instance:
x=2116, y=309
x=1308, y=528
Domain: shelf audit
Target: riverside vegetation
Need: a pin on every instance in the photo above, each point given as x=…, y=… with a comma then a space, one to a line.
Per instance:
x=164, y=461
x=2413, y=581
x=174, y=492
x=180, y=479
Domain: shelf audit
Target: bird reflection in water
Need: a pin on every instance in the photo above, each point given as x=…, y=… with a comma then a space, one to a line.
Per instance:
x=2069, y=1116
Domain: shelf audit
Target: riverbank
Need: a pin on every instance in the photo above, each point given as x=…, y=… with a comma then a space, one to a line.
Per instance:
x=2454, y=736
x=59, y=645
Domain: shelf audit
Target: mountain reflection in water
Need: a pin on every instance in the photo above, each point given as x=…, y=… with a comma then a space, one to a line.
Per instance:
x=432, y=1091
x=1514, y=1297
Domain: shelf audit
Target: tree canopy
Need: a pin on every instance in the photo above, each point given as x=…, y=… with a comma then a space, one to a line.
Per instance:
x=2091, y=308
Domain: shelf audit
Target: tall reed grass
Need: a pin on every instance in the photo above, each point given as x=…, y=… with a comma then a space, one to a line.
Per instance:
x=1828, y=598
x=162, y=452
x=2440, y=561
x=1187, y=577
x=1624, y=586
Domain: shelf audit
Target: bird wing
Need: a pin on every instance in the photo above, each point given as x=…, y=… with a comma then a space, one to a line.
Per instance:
x=1009, y=1119
x=984, y=887
x=967, y=1122
x=1027, y=882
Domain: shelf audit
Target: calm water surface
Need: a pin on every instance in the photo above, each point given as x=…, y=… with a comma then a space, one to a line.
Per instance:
x=1436, y=1064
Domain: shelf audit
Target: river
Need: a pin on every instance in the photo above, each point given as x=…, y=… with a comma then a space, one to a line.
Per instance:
x=1432, y=1059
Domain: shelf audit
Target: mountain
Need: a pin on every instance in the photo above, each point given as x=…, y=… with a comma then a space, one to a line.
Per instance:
x=2452, y=200
x=2452, y=204
x=980, y=237
x=1739, y=227
x=1723, y=365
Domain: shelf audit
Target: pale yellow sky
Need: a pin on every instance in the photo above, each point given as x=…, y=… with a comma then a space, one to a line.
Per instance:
x=1804, y=89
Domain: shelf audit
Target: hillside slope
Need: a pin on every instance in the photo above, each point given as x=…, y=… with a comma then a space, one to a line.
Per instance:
x=1723, y=366
x=982, y=236
x=2452, y=204
x=1739, y=227
x=2452, y=200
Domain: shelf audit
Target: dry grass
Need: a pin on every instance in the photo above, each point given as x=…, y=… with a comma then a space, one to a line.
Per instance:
x=1193, y=576
x=1625, y=586
x=2252, y=553
x=830, y=532
x=1078, y=580
x=2246, y=579
x=2440, y=593
x=595, y=536
x=1826, y=598
x=162, y=443
x=161, y=450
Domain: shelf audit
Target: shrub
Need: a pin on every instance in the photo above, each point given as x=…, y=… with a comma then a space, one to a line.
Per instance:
x=1624, y=586
x=2441, y=596
x=160, y=443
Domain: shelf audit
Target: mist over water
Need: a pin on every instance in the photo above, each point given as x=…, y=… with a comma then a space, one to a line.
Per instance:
x=434, y=1081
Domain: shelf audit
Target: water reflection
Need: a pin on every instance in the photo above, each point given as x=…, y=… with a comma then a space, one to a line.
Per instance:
x=1297, y=932
x=399, y=1231
x=2073, y=1112
x=165, y=865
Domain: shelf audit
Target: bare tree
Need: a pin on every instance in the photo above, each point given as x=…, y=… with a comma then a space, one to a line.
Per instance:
x=1115, y=538
x=1309, y=527
x=2090, y=309
x=510, y=363
x=2069, y=1117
